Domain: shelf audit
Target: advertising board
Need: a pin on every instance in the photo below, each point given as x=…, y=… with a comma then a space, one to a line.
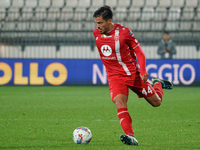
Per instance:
x=89, y=71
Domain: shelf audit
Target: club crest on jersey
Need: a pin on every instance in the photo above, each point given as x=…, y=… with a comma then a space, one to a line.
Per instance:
x=106, y=50
x=116, y=37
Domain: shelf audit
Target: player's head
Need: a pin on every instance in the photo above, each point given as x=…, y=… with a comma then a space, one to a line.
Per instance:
x=166, y=36
x=103, y=18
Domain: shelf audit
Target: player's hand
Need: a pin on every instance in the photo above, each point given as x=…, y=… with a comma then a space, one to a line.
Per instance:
x=165, y=51
x=168, y=50
x=145, y=77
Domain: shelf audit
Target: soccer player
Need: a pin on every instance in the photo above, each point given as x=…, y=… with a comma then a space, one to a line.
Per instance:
x=118, y=49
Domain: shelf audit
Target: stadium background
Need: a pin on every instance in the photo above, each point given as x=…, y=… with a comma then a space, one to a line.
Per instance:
x=51, y=41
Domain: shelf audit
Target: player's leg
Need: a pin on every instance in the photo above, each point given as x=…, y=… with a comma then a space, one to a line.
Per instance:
x=125, y=119
x=119, y=96
x=153, y=95
x=156, y=99
x=122, y=112
x=120, y=101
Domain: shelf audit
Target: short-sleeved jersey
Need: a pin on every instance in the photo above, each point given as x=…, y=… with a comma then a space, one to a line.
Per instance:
x=115, y=51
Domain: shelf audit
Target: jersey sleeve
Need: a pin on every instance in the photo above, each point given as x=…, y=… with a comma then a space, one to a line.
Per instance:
x=141, y=59
x=136, y=49
x=130, y=39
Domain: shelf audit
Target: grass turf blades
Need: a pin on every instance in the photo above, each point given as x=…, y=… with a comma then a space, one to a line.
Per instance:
x=44, y=117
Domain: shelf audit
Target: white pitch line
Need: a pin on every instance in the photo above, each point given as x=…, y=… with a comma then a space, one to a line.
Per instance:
x=97, y=120
x=53, y=120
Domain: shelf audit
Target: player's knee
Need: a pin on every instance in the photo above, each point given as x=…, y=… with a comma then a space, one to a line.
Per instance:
x=120, y=101
x=156, y=103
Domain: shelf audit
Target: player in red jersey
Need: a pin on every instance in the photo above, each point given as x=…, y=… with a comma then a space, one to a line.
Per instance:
x=118, y=49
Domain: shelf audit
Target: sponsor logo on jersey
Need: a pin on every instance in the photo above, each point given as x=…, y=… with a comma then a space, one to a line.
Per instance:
x=109, y=58
x=106, y=50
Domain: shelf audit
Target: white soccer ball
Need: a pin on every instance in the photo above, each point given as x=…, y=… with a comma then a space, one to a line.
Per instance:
x=82, y=135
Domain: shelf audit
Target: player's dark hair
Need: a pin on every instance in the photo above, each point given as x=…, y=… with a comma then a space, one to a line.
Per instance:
x=166, y=32
x=104, y=11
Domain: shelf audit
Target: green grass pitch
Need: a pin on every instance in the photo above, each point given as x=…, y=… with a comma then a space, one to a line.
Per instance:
x=44, y=117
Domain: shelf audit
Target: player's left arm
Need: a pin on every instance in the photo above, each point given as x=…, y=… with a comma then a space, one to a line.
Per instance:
x=135, y=47
x=142, y=62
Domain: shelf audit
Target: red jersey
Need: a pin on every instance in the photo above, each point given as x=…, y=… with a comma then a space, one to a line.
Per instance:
x=117, y=50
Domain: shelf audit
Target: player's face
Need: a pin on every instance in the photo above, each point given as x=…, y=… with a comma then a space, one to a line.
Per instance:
x=103, y=25
x=166, y=37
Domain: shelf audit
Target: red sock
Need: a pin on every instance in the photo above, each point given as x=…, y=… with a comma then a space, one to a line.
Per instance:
x=158, y=89
x=125, y=121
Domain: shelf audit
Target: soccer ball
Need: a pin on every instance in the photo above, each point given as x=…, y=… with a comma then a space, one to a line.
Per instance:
x=82, y=135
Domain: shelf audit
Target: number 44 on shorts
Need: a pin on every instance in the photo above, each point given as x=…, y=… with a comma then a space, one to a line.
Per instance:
x=145, y=92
